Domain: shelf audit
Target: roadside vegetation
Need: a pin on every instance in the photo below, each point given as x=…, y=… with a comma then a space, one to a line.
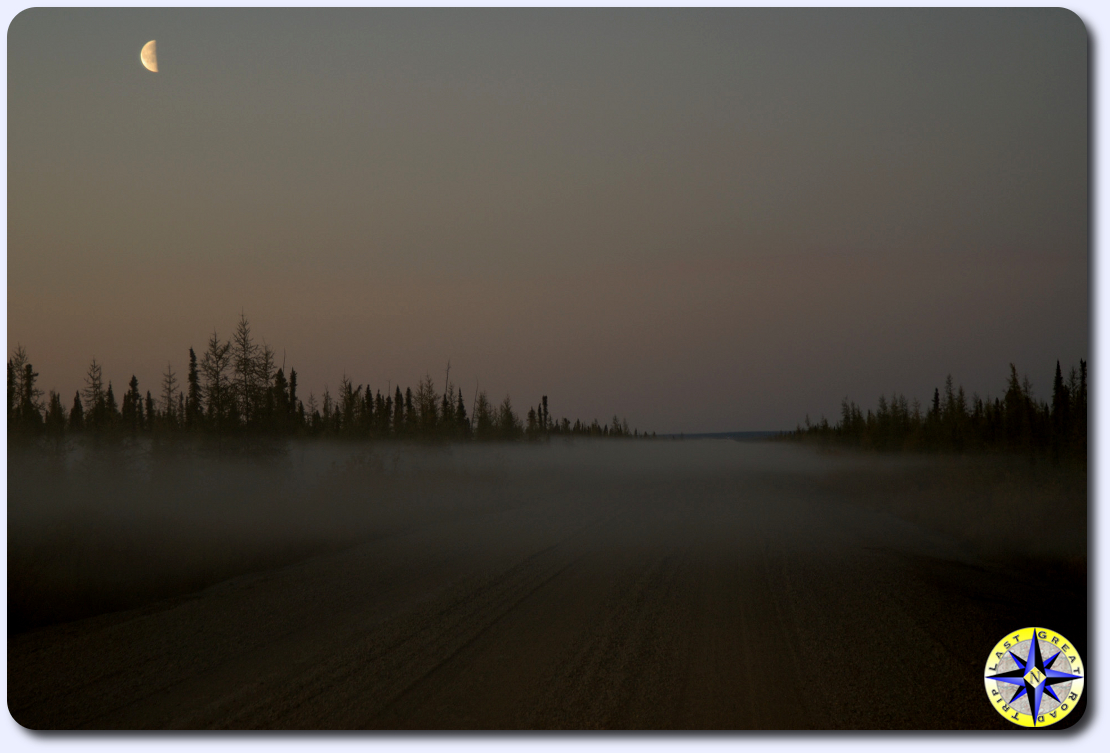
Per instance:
x=234, y=387
x=1016, y=422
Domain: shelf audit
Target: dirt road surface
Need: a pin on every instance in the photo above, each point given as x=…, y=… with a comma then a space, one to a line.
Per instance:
x=752, y=597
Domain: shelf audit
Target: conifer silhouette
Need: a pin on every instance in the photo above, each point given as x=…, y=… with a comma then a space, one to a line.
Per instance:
x=461, y=420
x=235, y=387
x=1016, y=422
x=150, y=413
x=132, y=410
x=217, y=389
x=193, y=408
x=169, y=397
x=483, y=417
x=508, y=425
x=30, y=407
x=94, y=396
x=55, y=415
x=77, y=414
x=111, y=409
x=244, y=368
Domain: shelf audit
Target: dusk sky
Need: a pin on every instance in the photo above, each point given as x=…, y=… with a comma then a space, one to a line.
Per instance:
x=701, y=220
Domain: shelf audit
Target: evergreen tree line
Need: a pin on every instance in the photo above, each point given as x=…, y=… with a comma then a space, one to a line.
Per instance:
x=1015, y=422
x=235, y=387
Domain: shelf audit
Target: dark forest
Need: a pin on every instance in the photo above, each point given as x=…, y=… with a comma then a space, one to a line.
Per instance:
x=235, y=388
x=1015, y=422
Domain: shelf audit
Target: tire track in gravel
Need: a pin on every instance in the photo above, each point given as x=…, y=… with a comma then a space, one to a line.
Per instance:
x=742, y=600
x=353, y=662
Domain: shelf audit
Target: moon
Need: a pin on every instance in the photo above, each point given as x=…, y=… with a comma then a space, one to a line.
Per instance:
x=149, y=56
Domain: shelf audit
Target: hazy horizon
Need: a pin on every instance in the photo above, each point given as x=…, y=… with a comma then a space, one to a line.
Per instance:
x=700, y=220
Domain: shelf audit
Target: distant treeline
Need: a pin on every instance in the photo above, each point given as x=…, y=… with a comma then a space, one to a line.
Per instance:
x=235, y=388
x=1015, y=422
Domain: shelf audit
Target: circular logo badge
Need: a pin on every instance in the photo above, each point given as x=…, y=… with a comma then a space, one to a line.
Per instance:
x=1034, y=677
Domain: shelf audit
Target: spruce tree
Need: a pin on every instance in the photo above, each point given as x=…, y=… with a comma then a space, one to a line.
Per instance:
x=293, y=387
x=409, y=411
x=949, y=399
x=217, y=389
x=193, y=409
x=132, y=406
x=244, y=369
x=77, y=413
x=508, y=425
x=367, y=412
x=447, y=413
x=326, y=409
x=94, y=395
x=461, y=420
x=381, y=416
x=281, y=413
x=349, y=401
x=312, y=414
x=16, y=371
x=263, y=377
x=1013, y=417
x=30, y=407
x=111, y=409
x=55, y=415
x=169, y=396
x=1061, y=403
x=428, y=411
x=127, y=411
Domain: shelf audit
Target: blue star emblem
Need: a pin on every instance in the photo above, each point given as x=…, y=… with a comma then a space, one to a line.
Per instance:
x=1034, y=677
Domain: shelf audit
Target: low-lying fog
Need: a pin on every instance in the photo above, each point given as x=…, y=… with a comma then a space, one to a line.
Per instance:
x=96, y=528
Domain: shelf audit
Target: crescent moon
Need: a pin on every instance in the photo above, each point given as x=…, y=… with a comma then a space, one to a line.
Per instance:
x=149, y=56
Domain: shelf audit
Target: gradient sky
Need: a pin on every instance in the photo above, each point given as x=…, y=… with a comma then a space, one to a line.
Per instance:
x=703, y=220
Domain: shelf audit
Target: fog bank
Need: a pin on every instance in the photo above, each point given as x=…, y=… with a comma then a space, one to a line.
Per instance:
x=94, y=528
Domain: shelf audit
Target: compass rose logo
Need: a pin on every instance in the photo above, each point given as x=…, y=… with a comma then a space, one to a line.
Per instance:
x=1034, y=677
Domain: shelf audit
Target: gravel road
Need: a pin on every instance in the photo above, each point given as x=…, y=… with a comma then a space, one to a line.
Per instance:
x=749, y=593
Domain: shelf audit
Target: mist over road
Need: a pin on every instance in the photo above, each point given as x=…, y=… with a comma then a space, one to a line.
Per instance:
x=701, y=584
